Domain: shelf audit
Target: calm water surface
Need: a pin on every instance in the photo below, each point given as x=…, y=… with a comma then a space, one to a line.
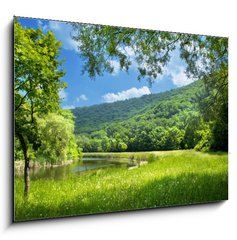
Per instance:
x=80, y=167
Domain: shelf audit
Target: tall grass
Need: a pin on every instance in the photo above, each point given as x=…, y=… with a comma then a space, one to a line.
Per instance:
x=172, y=178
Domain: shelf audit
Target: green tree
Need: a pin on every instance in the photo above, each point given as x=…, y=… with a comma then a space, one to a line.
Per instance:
x=95, y=145
x=100, y=45
x=158, y=138
x=83, y=142
x=207, y=59
x=37, y=84
x=191, y=136
x=57, y=139
x=105, y=143
x=174, y=137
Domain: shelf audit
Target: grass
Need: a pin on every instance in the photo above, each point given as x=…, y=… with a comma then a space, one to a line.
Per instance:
x=172, y=178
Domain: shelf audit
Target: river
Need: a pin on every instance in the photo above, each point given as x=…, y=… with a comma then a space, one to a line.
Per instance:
x=78, y=168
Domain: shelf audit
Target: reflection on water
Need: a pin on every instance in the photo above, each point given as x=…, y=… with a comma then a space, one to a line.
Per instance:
x=78, y=168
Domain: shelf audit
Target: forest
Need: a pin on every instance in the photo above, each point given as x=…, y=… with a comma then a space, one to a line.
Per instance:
x=165, y=121
x=180, y=135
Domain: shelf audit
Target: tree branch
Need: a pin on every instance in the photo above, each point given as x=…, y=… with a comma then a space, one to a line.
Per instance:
x=22, y=100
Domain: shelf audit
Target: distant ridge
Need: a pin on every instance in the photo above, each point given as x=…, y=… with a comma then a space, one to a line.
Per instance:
x=96, y=117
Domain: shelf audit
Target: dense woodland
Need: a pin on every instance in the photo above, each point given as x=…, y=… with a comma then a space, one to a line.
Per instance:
x=163, y=121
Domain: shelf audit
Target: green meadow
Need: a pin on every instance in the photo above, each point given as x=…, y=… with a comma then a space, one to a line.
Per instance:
x=169, y=178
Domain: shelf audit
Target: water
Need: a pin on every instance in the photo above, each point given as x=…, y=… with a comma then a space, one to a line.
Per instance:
x=80, y=167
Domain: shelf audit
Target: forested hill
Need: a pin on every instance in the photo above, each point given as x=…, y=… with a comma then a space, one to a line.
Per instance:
x=96, y=117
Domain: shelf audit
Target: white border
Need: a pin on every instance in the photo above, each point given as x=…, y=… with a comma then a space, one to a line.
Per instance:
x=210, y=221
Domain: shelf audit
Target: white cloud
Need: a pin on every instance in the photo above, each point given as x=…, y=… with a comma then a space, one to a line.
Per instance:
x=127, y=94
x=179, y=77
x=63, y=94
x=55, y=26
x=39, y=23
x=69, y=107
x=82, y=97
x=43, y=26
x=62, y=31
x=115, y=64
x=128, y=51
x=176, y=69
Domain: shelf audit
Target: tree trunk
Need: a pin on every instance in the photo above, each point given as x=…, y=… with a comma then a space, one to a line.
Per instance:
x=27, y=163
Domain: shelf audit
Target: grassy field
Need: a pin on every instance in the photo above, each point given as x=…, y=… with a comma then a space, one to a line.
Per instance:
x=171, y=178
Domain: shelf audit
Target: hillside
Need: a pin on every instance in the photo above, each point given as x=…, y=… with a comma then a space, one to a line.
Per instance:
x=163, y=121
x=96, y=117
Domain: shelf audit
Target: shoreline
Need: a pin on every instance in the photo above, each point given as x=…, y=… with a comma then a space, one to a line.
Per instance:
x=19, y=165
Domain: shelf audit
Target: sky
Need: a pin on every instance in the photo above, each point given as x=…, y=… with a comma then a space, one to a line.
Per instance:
x=82, y=91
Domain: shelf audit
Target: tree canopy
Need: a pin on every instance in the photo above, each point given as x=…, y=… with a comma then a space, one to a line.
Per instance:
x=163, y=121
x=151, y=50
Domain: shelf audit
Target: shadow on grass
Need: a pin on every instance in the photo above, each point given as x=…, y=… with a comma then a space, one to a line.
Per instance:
x=219, y=153
x=186, y=188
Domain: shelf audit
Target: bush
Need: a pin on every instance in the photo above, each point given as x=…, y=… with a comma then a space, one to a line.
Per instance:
x=151, y=158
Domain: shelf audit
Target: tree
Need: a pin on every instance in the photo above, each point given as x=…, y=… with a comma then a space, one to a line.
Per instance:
x=158, y=137
x=100, y=45
x=37, y=84
x=105, y=144
x=83, y=142
x=206, y=58
x=57, y=139
x=173, y=138
x=191, y=136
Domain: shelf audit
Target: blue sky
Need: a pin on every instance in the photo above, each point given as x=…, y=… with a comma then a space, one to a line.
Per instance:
x=82, y=91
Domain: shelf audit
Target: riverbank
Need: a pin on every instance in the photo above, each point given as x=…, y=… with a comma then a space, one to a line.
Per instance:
x=138, y=157
x=19, y=165
x=172, y=178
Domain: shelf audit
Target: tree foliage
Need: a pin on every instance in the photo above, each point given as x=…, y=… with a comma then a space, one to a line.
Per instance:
x=37, y=82
x=37, y=77
x=99, y=45
x=57, y=139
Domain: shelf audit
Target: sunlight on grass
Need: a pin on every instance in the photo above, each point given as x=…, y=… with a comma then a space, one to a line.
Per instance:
x=173, y=178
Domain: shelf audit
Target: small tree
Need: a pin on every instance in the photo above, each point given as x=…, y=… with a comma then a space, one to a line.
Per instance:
x=57, y=140
x=37, y=83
